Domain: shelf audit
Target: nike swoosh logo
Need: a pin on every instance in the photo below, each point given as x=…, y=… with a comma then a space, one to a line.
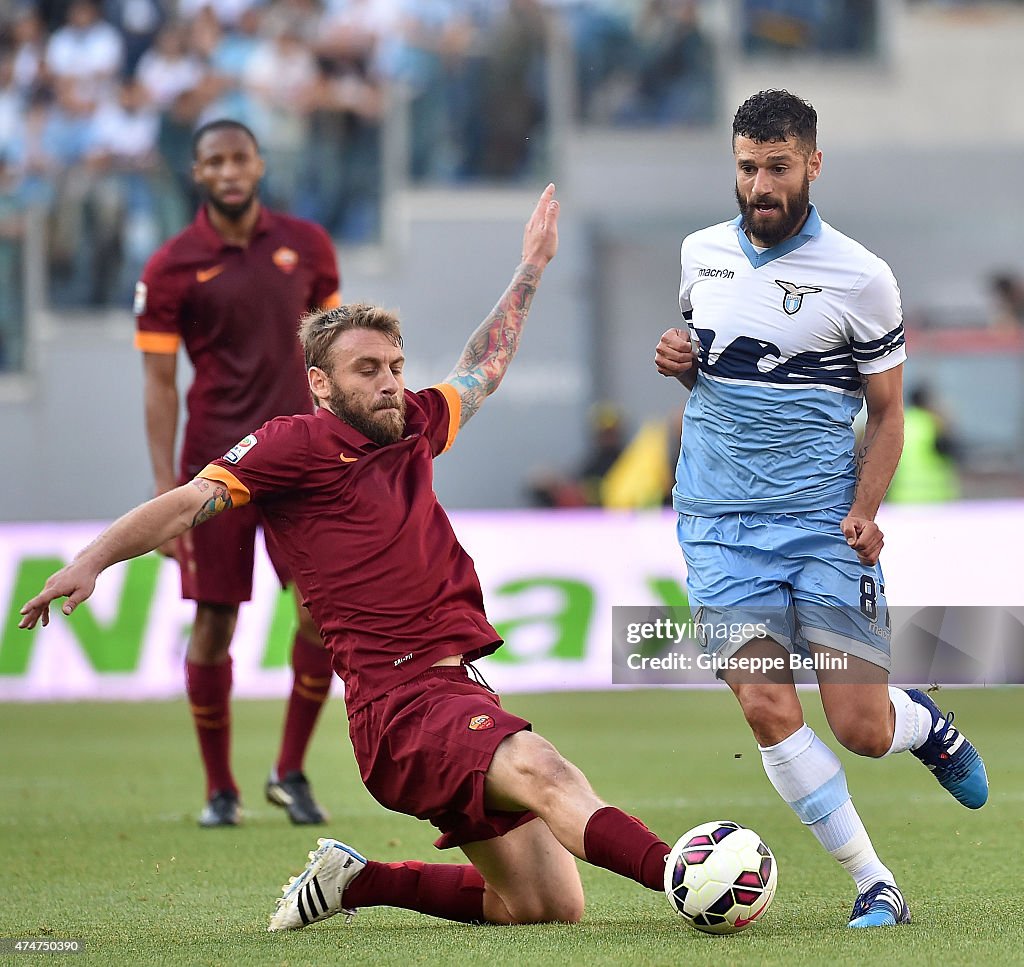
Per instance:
x=743, y=921
x=204, y=275
x=344, y=459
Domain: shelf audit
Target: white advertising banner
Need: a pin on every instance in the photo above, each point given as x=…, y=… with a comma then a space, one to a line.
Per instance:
x=550, y=581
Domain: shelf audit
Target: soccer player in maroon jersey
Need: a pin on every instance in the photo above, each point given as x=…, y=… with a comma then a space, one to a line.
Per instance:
x=232, y=287
x=347, y=493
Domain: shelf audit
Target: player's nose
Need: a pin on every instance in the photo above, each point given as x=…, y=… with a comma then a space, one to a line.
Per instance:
x=762, y=183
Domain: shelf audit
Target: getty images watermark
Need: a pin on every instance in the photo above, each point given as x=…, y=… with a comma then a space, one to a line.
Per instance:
x=945, y=645
x=670, y=644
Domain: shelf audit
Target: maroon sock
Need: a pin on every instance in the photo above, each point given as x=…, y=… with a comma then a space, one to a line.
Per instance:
x=311, y=683
x=209, y=692
x=437, y=889
x=624, y=845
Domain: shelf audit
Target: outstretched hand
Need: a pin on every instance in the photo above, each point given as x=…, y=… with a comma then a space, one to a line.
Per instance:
x=74, y=582
x=540, y=239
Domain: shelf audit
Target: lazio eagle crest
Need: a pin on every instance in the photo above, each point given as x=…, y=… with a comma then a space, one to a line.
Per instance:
x=794, y=297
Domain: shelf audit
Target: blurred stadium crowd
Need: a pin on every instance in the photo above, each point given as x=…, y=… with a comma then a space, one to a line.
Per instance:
x=99, y=98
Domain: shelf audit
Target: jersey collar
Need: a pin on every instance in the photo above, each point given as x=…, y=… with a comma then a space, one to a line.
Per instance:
x=811, y=229
x=264, y=222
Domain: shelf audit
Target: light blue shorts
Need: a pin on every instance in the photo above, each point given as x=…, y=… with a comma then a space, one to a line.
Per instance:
x=793, y=573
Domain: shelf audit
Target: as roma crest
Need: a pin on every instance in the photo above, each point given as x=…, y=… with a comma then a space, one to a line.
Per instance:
x=480, y=723
x=285, y=259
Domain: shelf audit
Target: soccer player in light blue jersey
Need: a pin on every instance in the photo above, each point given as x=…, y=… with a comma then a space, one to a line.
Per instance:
x=792, y=327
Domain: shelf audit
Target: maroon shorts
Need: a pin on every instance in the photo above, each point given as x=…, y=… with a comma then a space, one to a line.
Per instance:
x=216, y=557
x=423, y=750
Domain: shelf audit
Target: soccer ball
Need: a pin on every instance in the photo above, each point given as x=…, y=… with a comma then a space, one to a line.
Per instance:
x=720, y=877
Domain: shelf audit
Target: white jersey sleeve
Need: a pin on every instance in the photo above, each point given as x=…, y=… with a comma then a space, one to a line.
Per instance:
x=685, y=282
x=874, y=323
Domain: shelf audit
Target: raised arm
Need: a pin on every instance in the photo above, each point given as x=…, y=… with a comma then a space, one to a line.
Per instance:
x=140, y=530
x=490, y=349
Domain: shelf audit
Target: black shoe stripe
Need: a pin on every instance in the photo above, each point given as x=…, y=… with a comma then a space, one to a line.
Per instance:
x=320, y=893
x=302, y=909
x=314, y=911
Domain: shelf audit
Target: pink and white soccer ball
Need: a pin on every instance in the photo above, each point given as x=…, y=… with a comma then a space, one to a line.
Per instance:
x=720, y=877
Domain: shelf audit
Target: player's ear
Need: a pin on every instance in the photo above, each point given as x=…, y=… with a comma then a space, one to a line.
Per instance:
x=319, y=383
x=814, y=165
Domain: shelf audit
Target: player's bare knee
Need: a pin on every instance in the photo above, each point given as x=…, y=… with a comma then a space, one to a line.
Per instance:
x=563, y=909
x=768, y=720
x=862, y=738
x=212, y=632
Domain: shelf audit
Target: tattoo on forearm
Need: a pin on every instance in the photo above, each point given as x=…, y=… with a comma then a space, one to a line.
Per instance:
x=860, y=458
x=490, y=349
x=219, y=500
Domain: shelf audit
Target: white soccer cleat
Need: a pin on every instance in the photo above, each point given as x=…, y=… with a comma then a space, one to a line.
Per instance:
x=315, y=894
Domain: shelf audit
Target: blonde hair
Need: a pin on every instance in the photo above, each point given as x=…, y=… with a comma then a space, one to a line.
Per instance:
x=319, y=329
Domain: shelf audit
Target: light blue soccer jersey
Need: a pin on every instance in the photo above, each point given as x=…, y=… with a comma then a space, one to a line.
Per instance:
x=784, y=336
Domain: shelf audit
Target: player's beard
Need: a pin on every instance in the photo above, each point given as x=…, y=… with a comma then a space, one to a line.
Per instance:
x=233, y=211
x=383, y=422
x=793, y=209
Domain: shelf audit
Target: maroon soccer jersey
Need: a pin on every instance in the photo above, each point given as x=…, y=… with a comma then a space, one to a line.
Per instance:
x=237, y=311
x=366, y=540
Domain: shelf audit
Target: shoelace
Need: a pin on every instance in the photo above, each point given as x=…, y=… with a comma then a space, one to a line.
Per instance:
x=949, y=735
x=955, y=767
x=865, y=902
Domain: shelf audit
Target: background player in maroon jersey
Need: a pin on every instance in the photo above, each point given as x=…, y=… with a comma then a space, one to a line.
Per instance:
x=232, y=287
x=348, y=494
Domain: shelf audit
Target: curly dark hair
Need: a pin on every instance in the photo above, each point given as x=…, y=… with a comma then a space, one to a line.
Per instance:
x=776, y=116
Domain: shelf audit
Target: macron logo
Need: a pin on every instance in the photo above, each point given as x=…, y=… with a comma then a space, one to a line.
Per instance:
x=716, y=273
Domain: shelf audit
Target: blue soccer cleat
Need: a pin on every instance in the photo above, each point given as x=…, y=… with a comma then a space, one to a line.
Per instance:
x=881, y=905
x=952, y=759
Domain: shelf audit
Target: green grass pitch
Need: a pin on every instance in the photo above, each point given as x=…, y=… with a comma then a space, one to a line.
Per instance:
x=98, y=841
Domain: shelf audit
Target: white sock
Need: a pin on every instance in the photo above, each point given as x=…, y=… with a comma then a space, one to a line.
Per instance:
x=843, y=834
x=913, y=722
x=809, y=776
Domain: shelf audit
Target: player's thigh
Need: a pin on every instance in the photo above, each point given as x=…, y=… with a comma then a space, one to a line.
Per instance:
x=533, y=874
x=840, y=603
x=736, y=581
x=527, y=772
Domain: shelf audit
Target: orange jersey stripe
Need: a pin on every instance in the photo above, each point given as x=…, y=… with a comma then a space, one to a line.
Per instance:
x=239, y=492
x=332, y=301
x=164, y=343
x=451, y=395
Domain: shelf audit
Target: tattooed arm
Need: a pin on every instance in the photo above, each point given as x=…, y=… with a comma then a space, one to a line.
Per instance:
x=490, y=349
x=140, y=530
x=877, y=457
